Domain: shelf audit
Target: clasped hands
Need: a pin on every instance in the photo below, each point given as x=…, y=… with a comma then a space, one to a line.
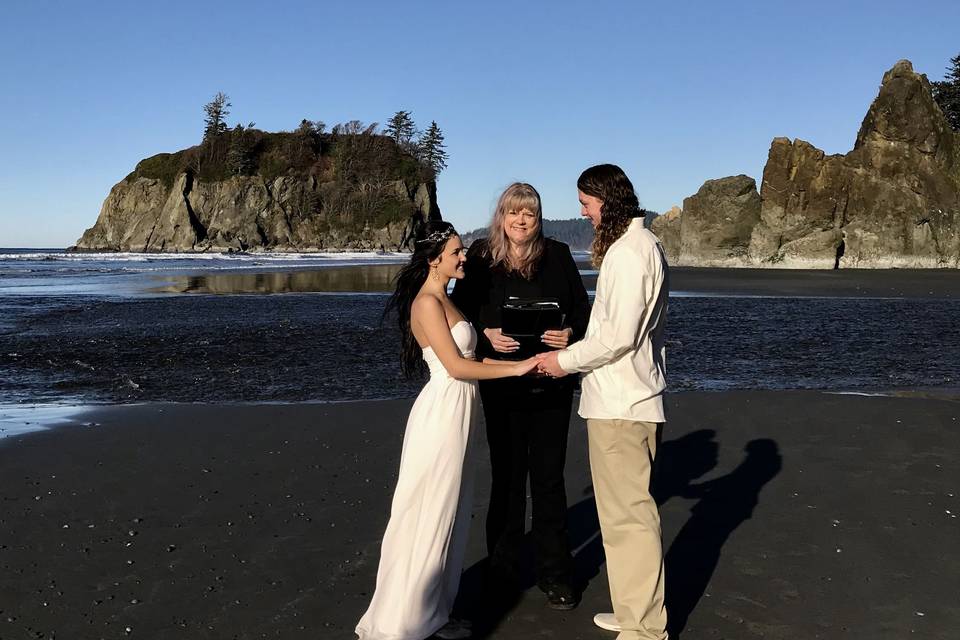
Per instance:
x=547, y=364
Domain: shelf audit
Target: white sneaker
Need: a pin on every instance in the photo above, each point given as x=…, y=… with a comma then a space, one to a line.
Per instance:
x=607, y=621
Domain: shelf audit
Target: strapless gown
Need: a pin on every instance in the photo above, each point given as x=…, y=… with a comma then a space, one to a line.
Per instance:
x=421, y=557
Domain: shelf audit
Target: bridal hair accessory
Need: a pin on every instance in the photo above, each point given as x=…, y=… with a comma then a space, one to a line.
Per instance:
x=438, y=236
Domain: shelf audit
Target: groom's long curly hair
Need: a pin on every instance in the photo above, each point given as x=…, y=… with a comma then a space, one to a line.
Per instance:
x=610, y=184
x=431, y=238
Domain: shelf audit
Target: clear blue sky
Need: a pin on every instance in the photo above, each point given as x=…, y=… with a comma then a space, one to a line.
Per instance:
x=676, y=93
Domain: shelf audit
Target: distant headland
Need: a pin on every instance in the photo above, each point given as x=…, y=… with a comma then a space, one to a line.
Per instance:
x=243, y=189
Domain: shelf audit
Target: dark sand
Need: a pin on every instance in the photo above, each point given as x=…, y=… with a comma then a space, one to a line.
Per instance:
x=301, y=347
x=851, y=283
x=785, y=515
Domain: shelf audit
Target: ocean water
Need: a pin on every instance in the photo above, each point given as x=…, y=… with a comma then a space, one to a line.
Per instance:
x=107, y=328
x=48, y=272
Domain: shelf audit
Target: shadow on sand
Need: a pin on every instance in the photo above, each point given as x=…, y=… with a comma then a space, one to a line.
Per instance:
x=724, y=503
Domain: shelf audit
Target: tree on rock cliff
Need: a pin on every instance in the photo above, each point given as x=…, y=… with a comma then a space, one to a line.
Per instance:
x=217, y=111
x=947, y=93
x=432, y=151
x=240, y=156
x=402, y=129
x=355, y=128
x=311, y=127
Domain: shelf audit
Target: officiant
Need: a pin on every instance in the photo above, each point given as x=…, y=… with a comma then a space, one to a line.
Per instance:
x=519, y=276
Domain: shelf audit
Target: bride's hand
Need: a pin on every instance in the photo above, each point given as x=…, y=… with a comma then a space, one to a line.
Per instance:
x=525, y=366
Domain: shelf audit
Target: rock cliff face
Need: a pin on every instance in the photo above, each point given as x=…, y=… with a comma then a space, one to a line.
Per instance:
x=893, y=201
x=717, y=222
x=248, y=212
x=300, y=209
x=666, y=226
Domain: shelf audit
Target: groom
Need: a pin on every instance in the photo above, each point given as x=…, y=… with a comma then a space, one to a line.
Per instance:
x=622, y=355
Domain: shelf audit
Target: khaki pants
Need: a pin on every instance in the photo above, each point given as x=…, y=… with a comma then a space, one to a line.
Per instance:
x=621, y=454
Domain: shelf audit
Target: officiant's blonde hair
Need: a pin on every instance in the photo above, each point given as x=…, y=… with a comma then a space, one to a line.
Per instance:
x=517, y=197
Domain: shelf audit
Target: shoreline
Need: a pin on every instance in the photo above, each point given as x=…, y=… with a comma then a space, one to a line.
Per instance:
x=903, y=262
x=47, y=416
x=264, y=520
x=355, y=278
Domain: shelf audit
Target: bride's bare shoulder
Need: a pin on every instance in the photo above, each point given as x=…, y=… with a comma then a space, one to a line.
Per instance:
x=427, y=305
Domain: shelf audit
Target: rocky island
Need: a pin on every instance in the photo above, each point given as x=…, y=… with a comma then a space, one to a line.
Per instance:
x=893, y=201
x=244, y=189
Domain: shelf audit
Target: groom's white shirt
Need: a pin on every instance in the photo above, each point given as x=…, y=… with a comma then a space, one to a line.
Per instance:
x=623, y=349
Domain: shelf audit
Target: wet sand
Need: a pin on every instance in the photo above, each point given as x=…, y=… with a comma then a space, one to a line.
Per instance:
x=785, y=515
x=307, y=347
x=854, y=283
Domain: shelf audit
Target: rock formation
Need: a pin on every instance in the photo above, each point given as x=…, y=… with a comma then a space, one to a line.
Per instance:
x=717, y=222
x=293, y=211
x=666, y=226
x=893, y=201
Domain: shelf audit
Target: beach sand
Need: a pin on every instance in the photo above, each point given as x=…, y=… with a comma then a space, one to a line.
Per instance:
x=785, y=515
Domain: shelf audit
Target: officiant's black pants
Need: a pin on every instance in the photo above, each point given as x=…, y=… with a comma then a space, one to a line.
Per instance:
x=527, y=432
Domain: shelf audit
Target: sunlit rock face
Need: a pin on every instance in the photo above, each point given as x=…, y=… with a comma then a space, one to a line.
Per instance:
x=717, y=222
x=894, y=201
x=249, y=213
x=666, y=226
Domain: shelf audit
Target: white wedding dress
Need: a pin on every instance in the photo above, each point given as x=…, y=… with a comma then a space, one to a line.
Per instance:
x=422, y=552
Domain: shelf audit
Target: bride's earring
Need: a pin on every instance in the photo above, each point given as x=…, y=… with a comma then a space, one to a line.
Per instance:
x=436, y=274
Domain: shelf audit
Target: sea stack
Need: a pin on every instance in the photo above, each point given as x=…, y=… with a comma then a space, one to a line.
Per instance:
x=893, y=201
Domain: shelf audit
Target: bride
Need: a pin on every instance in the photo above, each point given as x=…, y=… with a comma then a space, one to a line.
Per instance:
x=422, y=552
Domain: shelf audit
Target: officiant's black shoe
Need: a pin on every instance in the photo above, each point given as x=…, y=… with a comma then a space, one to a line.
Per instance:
x=561, y=596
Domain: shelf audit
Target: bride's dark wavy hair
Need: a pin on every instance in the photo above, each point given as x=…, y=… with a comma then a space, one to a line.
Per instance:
x=431, y=238
x=610, y=184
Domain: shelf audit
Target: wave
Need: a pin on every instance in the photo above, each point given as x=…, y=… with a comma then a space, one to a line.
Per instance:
x=351, y=256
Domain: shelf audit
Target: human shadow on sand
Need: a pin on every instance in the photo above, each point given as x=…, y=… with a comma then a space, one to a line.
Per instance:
x=724, y=504
x=679, y=462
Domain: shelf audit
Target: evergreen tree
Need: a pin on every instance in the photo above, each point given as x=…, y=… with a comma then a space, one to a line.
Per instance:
x=312, y=127
x=217, y=111
x=306, y=143
x=306, y=127
x=402, y=129
x=432, y=151
x=947, y=93
x=240, y=159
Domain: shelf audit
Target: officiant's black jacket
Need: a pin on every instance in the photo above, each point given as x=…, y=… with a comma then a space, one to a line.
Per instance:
x=480, y=294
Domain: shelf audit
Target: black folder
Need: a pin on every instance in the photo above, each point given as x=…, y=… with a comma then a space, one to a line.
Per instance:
x=525, y=320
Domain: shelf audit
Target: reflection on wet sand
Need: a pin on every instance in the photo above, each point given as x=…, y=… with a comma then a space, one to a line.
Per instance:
x=378, y=278
x=374, y=278
x=360, y=278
